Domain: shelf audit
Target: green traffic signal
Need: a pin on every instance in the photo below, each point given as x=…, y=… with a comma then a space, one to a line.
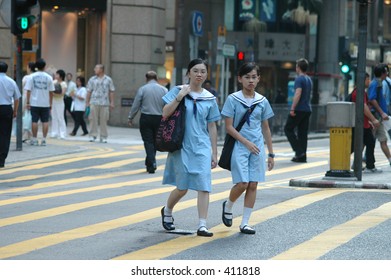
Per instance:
x=23, y=23
x=345, y=68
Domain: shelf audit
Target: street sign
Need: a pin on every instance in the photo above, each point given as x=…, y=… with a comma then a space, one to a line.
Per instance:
x=197, y=24
x=229, y=50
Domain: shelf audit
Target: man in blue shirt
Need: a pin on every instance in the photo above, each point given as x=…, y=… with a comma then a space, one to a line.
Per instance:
x=9, y=93
x=299, y=115
x=387, y=92
x=379, y=106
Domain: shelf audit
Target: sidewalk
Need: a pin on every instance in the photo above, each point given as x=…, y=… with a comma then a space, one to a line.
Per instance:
x=131, y=136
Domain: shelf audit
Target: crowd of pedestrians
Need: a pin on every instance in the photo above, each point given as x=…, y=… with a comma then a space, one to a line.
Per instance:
x=51, y=99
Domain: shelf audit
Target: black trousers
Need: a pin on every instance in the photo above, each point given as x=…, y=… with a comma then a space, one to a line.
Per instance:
x=67, y=107
x=149, y=125
x=369, y=142
x=79, y=121
x=301, y=123
x=6, y=115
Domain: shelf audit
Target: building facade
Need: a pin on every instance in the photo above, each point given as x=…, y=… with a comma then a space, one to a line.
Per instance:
x=131, y=37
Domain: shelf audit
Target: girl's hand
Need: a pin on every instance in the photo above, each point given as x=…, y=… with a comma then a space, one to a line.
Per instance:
x=214, y=161
x=270, y=163
x=252, y=147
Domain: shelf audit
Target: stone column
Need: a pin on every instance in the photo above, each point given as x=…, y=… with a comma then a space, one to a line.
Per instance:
x=135, y=43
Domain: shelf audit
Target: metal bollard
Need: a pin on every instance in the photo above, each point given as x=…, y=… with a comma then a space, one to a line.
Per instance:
x=340, y=120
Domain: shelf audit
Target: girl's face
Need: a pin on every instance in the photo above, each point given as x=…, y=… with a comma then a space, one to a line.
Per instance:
x=198, y=74
x=57, y=77
x=78, y=82
x=250, y=80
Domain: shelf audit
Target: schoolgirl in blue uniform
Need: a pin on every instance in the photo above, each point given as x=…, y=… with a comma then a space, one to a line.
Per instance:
x=248, y=164
x=190, y=167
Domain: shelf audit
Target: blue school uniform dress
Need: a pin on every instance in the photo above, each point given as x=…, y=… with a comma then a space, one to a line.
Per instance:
x=246, y=166
x=190, y=167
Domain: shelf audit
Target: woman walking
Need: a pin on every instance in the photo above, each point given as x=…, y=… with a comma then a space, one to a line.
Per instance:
x=78, y=106
x=249, y=165
x=190, y=167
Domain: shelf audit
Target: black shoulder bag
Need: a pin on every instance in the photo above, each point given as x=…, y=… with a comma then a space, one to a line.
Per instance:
x=229, y=143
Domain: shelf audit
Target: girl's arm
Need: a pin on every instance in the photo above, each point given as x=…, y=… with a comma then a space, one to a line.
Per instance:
x=213, y=139
x=268, y=139
x=235, y=134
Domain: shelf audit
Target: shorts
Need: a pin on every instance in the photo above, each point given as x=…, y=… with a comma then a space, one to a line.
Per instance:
x=380, y=133
x=40, y=113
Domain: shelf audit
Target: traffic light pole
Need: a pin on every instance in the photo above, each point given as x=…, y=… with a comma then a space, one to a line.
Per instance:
x=19, y=63
x=361, y=61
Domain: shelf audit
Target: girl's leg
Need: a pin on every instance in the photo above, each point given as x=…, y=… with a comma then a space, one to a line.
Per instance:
x=203, y=205
x=166, y=212
x=249, y=201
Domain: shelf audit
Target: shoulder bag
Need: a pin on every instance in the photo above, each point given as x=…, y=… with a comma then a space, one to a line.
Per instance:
x=171, y=130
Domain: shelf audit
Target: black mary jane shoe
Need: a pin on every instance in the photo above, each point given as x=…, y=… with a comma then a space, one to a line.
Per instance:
x=203, y=231
x=227, y=221
x=167, y=225
x=247, y=230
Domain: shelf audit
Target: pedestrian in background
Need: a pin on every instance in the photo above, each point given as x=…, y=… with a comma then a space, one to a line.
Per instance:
x=59, y=128
x=379, y=106
x=9, y=95
x=71, y=90
x=370, y=125
x=40, y=90
x=249, y=166
x=300, y=112
x=149, y=101
x=27, y=133
x=190, y=167
x=100, y=97
x=78, y=107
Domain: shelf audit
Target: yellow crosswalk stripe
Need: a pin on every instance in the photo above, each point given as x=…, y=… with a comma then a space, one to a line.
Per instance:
x=334, y=237
x=180, y=244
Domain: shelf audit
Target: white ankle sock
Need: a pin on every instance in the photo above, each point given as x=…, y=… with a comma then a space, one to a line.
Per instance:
x=202, y=223
x=167, y=212
x=246, y=216
x=228, y=206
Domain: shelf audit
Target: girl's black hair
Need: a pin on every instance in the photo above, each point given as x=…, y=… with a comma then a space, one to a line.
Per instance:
x=195, y=62
x=61, y=73
x=247, y=68
x=82, y=80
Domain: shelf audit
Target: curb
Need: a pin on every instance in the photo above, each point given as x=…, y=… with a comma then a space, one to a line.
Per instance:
x=338, y=184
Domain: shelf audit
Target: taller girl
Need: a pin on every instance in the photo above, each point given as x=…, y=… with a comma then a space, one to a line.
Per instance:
x=248, y=164
x=190, y=167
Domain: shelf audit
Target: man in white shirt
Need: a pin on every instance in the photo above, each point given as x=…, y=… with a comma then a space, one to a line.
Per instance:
x=39, y=89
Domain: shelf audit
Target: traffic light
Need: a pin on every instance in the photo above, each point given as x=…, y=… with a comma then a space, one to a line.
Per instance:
x=345, y=63
x=240, y=56
x=21, y=18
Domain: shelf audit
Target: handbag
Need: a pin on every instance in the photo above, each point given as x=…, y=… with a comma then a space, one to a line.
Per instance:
x=171, y=131
x=229, y=143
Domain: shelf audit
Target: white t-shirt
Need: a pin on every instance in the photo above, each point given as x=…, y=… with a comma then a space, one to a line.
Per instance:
x=80, y=105
x=40, y=85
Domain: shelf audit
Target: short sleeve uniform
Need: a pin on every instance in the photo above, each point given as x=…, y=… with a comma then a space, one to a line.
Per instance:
x=247, y=166
x=190, y=167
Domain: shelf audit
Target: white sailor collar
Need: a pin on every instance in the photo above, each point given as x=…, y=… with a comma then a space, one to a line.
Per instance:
x=204, y=95
x=239, y=96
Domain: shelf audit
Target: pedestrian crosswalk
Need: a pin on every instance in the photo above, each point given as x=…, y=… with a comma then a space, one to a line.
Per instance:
x=102, y=204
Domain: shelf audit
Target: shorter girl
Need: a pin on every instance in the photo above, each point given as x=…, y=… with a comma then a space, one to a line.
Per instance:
x=249, y=166
x=79, y=106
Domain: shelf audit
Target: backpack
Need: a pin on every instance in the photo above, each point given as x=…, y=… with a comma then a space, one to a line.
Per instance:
x=57, y=88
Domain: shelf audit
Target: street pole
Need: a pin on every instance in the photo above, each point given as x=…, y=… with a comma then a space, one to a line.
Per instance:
x=361, y=61
x=19, y=66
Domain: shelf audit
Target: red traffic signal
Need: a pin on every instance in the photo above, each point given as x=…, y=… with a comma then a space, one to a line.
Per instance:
x=240, y=56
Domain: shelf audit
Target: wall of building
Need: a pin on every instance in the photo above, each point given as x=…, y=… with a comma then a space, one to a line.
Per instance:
x=135, y=44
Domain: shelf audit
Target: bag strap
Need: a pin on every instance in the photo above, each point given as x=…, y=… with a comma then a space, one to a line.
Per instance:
x=245, y=117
